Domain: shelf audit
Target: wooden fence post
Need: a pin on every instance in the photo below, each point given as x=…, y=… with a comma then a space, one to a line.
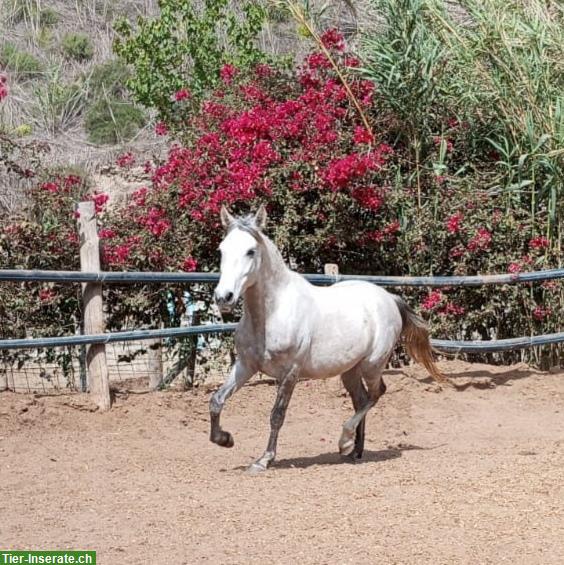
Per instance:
x=331, y=269
x=98, y=377
x=155, y=363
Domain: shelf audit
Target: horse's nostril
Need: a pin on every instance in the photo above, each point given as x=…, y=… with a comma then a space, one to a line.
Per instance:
x=229, y=297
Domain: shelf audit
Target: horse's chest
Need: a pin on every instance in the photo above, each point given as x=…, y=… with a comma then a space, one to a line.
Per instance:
x=274, y=354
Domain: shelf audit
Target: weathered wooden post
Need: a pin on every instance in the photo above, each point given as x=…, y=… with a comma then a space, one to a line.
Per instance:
x=155, y=363
x=331, y=269
x=98, y=377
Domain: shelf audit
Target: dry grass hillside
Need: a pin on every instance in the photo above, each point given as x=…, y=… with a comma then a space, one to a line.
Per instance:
x=68, y=102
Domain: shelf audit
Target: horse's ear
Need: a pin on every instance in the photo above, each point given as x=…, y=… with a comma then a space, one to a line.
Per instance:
x=260, y=217
x=226, y=217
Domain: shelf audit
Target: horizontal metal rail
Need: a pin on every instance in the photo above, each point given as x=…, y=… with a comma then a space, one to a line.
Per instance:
x=496, y=345
x=125, y=277
x=445, y=346
x=137, y=335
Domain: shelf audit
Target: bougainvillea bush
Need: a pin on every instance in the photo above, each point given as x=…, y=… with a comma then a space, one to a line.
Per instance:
x=335, y=191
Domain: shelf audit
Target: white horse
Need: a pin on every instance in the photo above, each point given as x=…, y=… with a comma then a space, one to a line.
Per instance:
x=292, y=330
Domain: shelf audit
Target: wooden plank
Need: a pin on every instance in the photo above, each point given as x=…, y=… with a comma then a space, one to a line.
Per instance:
x=97, y=368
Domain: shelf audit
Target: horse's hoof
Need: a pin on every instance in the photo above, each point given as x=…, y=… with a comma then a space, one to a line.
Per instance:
x=225, y=439
x=256, y=469
x=346, y=447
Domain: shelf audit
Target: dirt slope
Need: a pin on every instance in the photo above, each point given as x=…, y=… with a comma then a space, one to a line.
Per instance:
x=467, y=475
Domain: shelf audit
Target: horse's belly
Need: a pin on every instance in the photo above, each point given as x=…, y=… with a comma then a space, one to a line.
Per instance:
x=337, y=351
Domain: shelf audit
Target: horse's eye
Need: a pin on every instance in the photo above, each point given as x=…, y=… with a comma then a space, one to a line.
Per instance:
x=251, y=253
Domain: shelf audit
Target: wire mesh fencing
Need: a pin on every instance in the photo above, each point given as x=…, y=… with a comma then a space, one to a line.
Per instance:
x=132, y=365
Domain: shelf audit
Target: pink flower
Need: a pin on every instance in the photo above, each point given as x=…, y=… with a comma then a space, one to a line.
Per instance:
x=100, y=200
x=117, y=255
x=125, y=160
x=106, y=233
x=540, y=313
x=182, y=94
x=46, y=294
x=453, y=223
x=161, y=129
x=368, y=198
x=362, y=135
x=332, y=39
x=451, y=309
x=228, y=73
x=156, y=222
x=515, y=268
x=433, y=299
x=190, y=264
x=50, y=187
x=481, y=241
x=3, y=87
x=539, y=242
x=351, y=62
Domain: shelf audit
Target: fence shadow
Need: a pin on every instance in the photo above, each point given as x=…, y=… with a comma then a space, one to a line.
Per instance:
x=483, y=378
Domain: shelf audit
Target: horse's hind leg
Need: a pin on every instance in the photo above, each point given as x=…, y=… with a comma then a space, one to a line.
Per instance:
x=353, y=384
x=352, y=437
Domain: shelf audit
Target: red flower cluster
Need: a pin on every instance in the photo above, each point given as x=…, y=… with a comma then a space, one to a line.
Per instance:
x=539, y=242
x=436, y=301
x=3, y=87
x=189, y=264
x=432, y=300
x=333, y=39
x=362, y=135
x=228, y=73
x=161, y=129
x=47, y=294
x=237, y=147
x=541, y=312
x=481, y=241
x=125, y=160
x=100, y=200
x=116, y=256
x=182, y=94
x=454, y=222
x=368, y=198
x=341, y=172
x=156, y=222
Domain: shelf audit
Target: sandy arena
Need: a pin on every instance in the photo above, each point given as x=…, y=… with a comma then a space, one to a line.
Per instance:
x=472, y=474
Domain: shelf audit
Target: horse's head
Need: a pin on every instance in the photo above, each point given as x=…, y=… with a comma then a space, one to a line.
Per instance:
x=241, y=252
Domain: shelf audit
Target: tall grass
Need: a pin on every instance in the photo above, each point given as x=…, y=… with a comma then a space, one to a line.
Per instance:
x=515, y=54
x=500, y=67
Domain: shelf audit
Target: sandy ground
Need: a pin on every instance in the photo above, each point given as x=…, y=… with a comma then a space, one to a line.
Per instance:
x=472, y=474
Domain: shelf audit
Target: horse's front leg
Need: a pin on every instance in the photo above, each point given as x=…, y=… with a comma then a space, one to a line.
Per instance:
x=239, y=375
x=283, y=396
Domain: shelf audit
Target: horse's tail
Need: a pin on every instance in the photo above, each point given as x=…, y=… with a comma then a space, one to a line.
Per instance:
x=416, y=339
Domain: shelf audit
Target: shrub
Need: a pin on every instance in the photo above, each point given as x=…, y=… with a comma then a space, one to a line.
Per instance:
x=186, y=46
x=23, y=65
x=58, y=104
x=77, y=46
x=109, y=80
x=110, y=121
x=48, y=17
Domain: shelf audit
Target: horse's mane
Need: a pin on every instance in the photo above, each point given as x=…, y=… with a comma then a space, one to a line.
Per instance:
x=246, y=223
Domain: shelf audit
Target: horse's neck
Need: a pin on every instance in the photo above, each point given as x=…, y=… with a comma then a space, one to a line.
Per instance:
x=260, y=299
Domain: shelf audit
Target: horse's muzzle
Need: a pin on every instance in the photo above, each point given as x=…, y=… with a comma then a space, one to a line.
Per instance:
x=225, y=301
